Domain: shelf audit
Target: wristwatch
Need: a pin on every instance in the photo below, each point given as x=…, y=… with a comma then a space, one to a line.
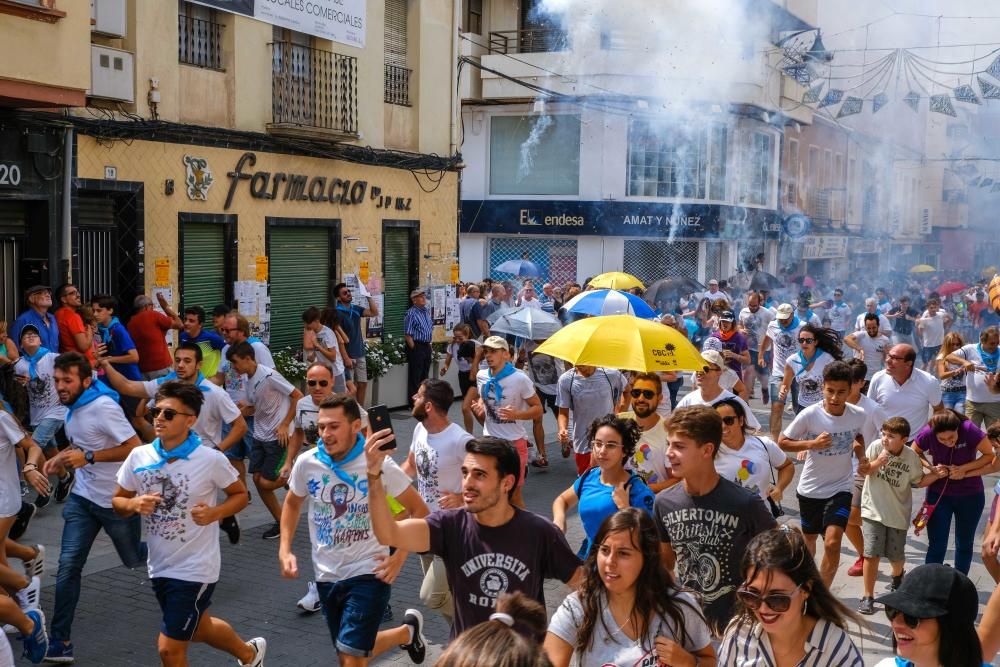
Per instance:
x=89, y=456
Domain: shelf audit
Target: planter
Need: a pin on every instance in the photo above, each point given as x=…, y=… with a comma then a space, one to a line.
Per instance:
x=390, y=389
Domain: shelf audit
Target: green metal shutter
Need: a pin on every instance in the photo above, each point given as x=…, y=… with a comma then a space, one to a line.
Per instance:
x=204, y=265
x=299, y=268
x=396, y=258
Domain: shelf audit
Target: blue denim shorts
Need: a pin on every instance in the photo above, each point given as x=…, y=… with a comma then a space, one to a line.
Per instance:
x=353, y=610
x=241, y=449
x=182, y=604
x=45, y=431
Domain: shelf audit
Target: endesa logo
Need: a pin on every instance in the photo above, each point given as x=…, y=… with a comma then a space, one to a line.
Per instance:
x=531, y=218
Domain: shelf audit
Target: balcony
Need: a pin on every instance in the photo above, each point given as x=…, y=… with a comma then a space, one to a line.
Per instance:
x=397, y=85
x=534, y=40
x=199, y=42
x=313, y=92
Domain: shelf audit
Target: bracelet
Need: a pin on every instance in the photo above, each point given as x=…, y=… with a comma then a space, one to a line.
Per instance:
x=28, y=467
x=371, y=476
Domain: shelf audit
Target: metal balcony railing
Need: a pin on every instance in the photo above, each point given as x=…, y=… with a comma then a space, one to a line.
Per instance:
x=397, y=85
x=199, y=42
x=532, y=40
x=311, y=88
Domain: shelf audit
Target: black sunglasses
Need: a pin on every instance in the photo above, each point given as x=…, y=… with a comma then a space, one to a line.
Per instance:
x=803, y=341
x=911, y=621
x=313, y=383
x=168, y=413
x=730, y=420
x=645, y=393
x=778, y=602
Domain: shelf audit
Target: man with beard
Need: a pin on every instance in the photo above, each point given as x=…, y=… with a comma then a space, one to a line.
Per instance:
x=435, y=461
x=870, y=347
x=650, y=458
x=489, y=546
x=39, y=298
x=754, y=319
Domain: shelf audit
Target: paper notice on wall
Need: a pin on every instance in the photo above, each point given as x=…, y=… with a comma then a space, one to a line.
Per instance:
x=439, y=305
x=260, y=268
x=168, y=295
x=359, y=293
x=375, y=323
x=162, y=275
x=453, y=316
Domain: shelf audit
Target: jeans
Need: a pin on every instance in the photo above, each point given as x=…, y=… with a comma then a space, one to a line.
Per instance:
x=955, y=400
x=82, y=520
x=966, y=510
x=674, y=387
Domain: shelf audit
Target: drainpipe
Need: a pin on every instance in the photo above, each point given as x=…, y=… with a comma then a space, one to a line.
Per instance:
x=67, y=217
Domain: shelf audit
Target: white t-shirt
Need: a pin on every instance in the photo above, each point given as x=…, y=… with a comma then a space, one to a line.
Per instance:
x=913, y=400
x=517, y=389
x=43, y=398
x=874, y=418
x=438, y=459
x=328, y=339
x=810, y=380
x=343, y=544
x=178, y=547
x=10, y=486
x=218, y=409
x=755, y=325
x=694, y=398
x=587, y=399
x=269, y=393
x=839, y=315
x=975, y=382
x=100, y=424
x=235, y=383
x=931, y=328
x=307, y=418
x=716, y=296
x=784, y=343
x=874, y=349
x=883, y=323
x=649, y=461
x=751, y=465
x=827, y=471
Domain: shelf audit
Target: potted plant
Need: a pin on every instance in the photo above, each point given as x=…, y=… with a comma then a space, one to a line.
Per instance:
x=387, y=359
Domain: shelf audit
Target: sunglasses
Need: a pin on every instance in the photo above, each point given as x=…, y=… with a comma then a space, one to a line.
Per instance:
x=645, y=393
x=313, y=383
x=729, y=421
x=911, y=621
x=168, y=413
x=777, y=602
x=805, y=341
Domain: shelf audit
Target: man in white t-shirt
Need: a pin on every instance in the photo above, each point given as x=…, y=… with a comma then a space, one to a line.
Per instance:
x=782, y=334
x=273, y=401
x=435, y=462
x=871, y=308
x=583, y=394
x=506, y=397
x=714, y=294
x=982, y=401
x=100, y=437
x=650, y=458
x=754, y=319
x=905, y=391
x=173, y=484
x=931, y=326
x=322, y=346
x=353, y=572
x=830, y=433
x=870, y=345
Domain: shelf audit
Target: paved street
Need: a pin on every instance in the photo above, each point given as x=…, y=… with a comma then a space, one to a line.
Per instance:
x=118, y=617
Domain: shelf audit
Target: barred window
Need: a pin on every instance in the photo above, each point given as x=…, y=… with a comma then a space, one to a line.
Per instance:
x=199, y=36
x=759, y=161
x=677, y=161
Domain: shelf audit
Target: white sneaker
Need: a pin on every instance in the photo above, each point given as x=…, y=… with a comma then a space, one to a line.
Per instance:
x=29, y=596
x=260, y=646
x=310, y=601
x=35, y=566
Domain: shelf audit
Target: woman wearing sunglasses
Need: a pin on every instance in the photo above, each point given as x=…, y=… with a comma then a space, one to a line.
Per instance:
x=785, y=615
x=607, y=486
x=751, y=460
x=818, y=347
x=933, y=619
x=628, y=610
x=710, y=390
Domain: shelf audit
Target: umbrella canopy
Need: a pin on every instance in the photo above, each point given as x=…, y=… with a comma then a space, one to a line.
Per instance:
x=989, y=271
x=764, y=280
x=520, y=267
x=608, y=302
x=525, y=322
x=922, y=268
x=950, y=287
x=994, y=291
x=616, y=280
x=670, y=288
x=625, y=342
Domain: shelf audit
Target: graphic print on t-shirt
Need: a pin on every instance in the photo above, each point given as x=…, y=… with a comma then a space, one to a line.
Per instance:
x=697, y=535
x=842, y=443
x=490, y=401
x=426, y=459
x=494, y=571
x=169, y=516
x=746, y=471
x=341, y=513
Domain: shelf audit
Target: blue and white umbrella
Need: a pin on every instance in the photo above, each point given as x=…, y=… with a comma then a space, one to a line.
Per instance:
x=609, y=302
x=520, y=267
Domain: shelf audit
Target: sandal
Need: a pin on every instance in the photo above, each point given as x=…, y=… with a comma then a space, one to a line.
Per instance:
x=567, y=449
x=540, y=462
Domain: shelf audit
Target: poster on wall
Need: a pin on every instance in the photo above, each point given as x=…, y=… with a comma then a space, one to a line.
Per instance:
x=439, y=305
x=340, y=21
x=375, y=323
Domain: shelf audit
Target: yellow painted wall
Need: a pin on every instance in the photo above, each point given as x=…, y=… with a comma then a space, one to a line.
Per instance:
x=54, y=54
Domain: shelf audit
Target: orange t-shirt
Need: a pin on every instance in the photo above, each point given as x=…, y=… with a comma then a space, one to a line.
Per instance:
x=70, y=323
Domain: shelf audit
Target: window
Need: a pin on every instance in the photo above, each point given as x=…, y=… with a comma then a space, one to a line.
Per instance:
x=199, y=36
x=792, y=172
x=759, y=161
x=677, y=161
x=535, y=155
x=474, y=16
x=397, y=75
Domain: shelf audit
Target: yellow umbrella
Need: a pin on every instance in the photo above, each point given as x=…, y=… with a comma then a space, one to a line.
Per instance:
x=922, y=268
x=989, y=271
x=625, y=342
x=616, y=280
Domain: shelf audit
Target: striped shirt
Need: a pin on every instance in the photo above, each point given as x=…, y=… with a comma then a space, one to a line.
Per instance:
x=747, y=645
x=417, y=324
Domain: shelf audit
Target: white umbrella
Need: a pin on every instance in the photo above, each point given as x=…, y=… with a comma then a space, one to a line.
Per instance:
x=524, y=322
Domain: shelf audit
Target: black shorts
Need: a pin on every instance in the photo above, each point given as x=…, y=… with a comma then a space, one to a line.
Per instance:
x=182, y=604
x=547, y=400
x=267, y=457
x=464, y=383
x=819, y=513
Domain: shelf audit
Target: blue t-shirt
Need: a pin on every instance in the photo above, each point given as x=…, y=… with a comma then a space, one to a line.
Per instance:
x=596, y=504
x=350, y=322
x=48, y=333
x=211, y=345
x=120, y=344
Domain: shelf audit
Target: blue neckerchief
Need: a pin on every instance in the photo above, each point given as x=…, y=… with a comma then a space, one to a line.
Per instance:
x=347, y=309
x=254, y=339
x=806, y=362
x=809, y=314
x=201, y=382
x=325, y=458
x=838, y=304
x=33, y=359
x=794, y=323
x=494, y=381
x=89, y=395
x=989, y=360
x=181, y=451
x=105, y=331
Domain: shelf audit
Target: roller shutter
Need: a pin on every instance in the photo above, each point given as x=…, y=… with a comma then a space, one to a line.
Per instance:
x=396, y=259
x=300, y=270
x=203, y=270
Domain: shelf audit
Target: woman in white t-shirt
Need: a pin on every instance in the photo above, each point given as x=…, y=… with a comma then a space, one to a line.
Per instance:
x=458, y=351
x=818, y=347
x=628, y=609
x=754, y=462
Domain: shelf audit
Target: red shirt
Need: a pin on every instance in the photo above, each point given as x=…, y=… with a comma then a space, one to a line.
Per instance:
x=147, y=330
x=70, y=323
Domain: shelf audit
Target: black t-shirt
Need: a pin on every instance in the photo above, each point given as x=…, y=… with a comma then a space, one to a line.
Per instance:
x=901, y=325
x=483, y=562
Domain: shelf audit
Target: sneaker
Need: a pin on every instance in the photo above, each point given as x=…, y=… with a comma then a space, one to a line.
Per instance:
x=765, y=396
x=896, y=583
x=231, y=527
x=417, y=647
x=29, y=596
x=64, y=486
x=387, y=614
x=36, y=644
x=857, y=569
x=59, y=652
x=272, y=533
x=260, y=648
x=41, y=501
x=34, y=567
x=866, y=606
x=23, y=519
x=309, y=603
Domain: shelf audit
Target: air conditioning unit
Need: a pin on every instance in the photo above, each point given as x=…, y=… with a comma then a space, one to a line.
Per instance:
x=109, y=17
x=112, y=74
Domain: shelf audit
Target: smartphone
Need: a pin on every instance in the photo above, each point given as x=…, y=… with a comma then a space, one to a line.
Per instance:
x=378, y=419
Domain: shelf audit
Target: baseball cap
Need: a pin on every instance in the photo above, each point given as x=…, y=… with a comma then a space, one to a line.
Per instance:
x=785, y=311
x=933, y=590
x=29, y=328
x=417, y=292
x=35, y=289
x=714, y=357
x=727, y=316
x=496, y=343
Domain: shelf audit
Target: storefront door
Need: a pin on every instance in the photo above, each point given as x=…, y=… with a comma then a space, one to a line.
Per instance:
x=302, y=267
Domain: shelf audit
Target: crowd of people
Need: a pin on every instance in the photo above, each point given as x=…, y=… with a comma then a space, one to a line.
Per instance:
x=686, y=560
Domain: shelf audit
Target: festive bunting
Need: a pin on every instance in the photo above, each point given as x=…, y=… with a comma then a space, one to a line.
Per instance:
x=995, y=188
x=880, y=101
x=802, y=73
x=986, y=182
x=966, y=94
x=942, y=104
x=990, y=91
x=913, y=100
x=974, y=182
x=811, y=96
x=994, y=69
x=851, y=106
x=832, y=97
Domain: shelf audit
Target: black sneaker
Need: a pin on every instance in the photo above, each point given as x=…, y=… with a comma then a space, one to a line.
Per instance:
x=23, y=518
x=41, y=501
x=896, y=583
x=64, y=486
x=417, y=648
x=231, y=527
x=272, y=533
x=866, y=606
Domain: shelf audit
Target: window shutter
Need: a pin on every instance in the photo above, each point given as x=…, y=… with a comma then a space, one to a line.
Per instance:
x=204, y=265
x=299, y=268
x=396, y=258
x=395, y=32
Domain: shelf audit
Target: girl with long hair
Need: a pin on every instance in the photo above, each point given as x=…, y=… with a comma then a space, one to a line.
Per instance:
x=751, y=460
x=628, y=610
x=462, y=344
x=818, y=346
x=952, y=375
x=509, y=639
x=785, y=614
